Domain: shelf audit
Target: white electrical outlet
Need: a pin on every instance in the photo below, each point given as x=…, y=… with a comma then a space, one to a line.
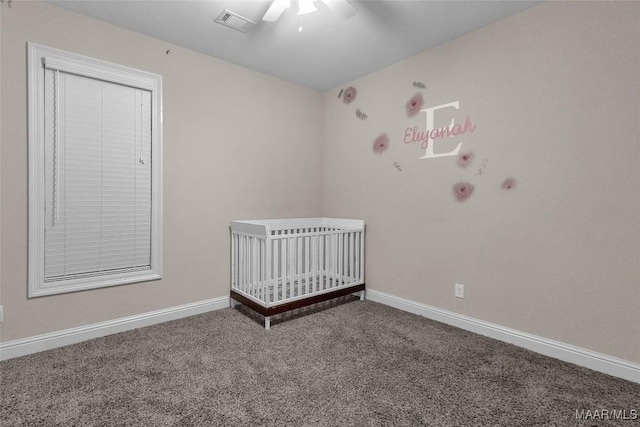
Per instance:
x=459, y=290
x=1, y=314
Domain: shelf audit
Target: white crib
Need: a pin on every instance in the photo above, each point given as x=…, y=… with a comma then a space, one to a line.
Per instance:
x=282, y=264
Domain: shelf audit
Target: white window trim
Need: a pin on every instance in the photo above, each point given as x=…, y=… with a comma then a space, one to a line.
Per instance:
x=40, y=57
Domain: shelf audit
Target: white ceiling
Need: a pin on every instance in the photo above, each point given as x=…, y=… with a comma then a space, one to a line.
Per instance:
x=327, y=53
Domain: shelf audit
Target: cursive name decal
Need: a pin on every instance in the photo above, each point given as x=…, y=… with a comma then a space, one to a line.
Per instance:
x=412, y=134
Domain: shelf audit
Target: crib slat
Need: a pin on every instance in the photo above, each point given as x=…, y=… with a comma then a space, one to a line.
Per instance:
x=259, y=266
x=246, y=279
x=291, y=269
x=314, y=263
x=341, y=257
x=233, y=260
x=299, y=262
x=256, y=263
x=320, y=261
x=361, y=256
x=307, y=266
x=339, y=239
x=254, y=266
x=291, y=263
x=245, y=266
x=344, y=259
x=323, y=265
x=351, y=257
x=283, y=270
x=293, y=266
x=288, y=271
x=247, y=249
x=274, y=268
x=249, y=265
x=260, y=279
x=241, y=264
x=332, y=259
x=357, y=256
x=335, y=248
x=327, y=261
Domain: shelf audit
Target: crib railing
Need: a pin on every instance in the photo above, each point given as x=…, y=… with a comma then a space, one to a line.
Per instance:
x=272, y=264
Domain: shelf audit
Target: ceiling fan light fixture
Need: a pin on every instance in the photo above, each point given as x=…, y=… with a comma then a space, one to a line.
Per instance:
x=276, y=9
x=306, y=6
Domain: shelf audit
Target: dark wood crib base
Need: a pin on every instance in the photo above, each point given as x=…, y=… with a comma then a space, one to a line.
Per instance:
x=267, y=312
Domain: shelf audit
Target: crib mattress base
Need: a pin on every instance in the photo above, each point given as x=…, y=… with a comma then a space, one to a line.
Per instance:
x=292, y=305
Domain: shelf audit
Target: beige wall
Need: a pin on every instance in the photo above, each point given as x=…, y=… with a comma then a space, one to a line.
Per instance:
x=237, y=144
x=554, y=95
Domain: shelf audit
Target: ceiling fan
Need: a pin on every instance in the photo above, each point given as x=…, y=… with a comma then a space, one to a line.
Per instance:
x=341, y=7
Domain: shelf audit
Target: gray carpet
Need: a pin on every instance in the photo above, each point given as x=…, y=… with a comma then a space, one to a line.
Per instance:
x=351, y=363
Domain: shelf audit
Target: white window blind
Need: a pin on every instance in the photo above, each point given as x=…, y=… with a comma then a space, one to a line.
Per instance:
x=98, y=177
x=97, y=216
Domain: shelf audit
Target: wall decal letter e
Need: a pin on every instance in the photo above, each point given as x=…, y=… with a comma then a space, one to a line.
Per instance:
x=429, y=153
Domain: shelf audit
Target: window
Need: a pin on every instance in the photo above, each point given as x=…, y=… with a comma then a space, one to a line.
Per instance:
x=94, y=173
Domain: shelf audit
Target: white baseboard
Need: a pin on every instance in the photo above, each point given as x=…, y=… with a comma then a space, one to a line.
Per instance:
x=24, y=346
x=582, y=357
x=579, y=356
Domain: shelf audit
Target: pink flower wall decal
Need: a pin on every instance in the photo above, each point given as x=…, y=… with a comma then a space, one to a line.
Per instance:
x=381, y=144
x=349, y=95
x=508, y=183
x=414, y=104
x=465, y=159
x=462, y=190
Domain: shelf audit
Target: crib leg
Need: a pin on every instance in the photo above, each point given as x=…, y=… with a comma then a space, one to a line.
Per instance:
x=233, y=303
x=267, y=322
x=362, y=295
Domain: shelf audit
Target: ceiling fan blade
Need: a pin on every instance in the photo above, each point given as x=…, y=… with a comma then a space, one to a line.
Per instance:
x=342, y=8
x=275, y=10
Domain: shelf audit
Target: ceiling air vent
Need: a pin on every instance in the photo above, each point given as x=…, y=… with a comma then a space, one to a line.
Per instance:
x=235, y=21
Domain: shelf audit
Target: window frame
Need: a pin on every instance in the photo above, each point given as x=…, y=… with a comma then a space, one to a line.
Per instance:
x=39, y=58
